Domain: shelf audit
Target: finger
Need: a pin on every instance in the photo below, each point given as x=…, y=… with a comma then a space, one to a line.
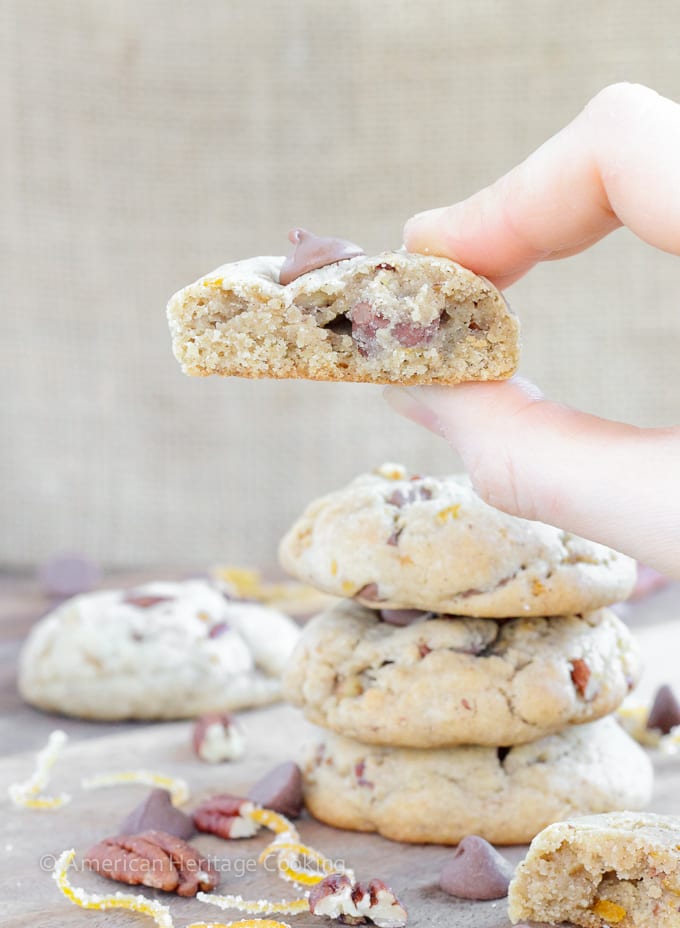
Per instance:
x=607, y=481
x=616, y=163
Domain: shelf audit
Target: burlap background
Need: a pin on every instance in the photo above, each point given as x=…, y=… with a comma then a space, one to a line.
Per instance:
x=145, y=141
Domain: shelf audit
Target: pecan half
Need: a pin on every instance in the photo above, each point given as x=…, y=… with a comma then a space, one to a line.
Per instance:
x=379, y=903
x=226, y=816
x=580, y=675
x=155, y=859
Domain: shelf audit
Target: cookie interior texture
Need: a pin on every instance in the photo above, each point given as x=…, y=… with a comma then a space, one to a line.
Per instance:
x=396, y=540
x=396, y=317
x=442, y=681
x=619, y=869
x=505, y=795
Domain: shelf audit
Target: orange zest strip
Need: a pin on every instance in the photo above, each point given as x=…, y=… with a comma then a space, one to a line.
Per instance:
x=156, y=910
x=178, y=788
x=255, y=906
x=242, y=923
x=274, y=821
x=289, y=855
x=26, y=794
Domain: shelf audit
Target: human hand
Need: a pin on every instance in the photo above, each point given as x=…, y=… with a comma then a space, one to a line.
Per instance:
x=616, y=164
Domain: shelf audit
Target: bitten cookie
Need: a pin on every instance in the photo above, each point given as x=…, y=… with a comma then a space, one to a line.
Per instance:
x=162, y=650
x=506, y=795
x=620, y=869
x=333, y=313
x=444, y=681
x=393, y=540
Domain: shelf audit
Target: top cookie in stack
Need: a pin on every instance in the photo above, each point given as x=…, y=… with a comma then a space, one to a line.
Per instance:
x=391, y=540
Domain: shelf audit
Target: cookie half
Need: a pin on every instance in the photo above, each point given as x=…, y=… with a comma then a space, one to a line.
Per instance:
x=619, y=869
x=506, y=795
x=160, y=651
x=441, y=681
x=395, y=540
x=395, y=317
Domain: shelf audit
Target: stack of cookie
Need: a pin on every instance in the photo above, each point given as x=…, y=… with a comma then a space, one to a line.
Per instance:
x=466, y=678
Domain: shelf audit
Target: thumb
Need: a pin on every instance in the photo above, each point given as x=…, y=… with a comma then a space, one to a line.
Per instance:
x=610, y=482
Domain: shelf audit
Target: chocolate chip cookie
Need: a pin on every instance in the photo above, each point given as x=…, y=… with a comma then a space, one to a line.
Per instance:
x=505, y=795
x=619, y=869
x=397, y=540
x=333, y=313
x=441, y=681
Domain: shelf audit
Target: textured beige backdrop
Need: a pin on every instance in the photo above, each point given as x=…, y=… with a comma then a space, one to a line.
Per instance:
x=143, y=142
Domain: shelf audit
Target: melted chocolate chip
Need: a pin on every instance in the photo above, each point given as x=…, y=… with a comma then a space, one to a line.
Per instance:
x=314, y=251
x=476, y=871
x=402, y=617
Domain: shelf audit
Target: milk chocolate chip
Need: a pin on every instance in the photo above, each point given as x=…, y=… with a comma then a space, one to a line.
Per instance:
x=476, y=871
x=157, y=813
x=314, y=251
x=280, y=790
x=402, y=617
x=68, y=575
x=665, y=712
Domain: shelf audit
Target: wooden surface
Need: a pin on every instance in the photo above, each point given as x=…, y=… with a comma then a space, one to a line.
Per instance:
x=29, y=840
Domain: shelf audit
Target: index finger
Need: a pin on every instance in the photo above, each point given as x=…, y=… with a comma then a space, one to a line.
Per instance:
x=616, y=163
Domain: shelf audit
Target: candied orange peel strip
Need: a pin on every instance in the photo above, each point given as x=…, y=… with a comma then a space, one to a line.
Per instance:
x=156, y=910
x=289, y=855
x=274, y=821
x=26, y=794
x=242, y=923
x=178, y=788
x=255, y=906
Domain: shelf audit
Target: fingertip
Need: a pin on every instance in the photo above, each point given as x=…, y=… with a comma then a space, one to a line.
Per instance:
x=421, y=232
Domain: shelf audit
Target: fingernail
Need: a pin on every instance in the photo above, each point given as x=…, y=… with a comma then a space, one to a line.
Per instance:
x=408, y=403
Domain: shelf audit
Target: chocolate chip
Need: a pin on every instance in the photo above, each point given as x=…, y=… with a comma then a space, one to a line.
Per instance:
x=476, y=871
x=157, y=813
x=219, y=629
x=502, y=752
x=402, y=617
x=311, y=252
x=369, y=592
x=665, y=712
x=399, y=498
x=280, y=790
x=68, y=575
x=412, y=334
x=366, y=321
x=359, y=770
x=145, y=602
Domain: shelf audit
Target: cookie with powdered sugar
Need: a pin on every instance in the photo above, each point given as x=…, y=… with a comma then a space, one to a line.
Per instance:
x=160, y=651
